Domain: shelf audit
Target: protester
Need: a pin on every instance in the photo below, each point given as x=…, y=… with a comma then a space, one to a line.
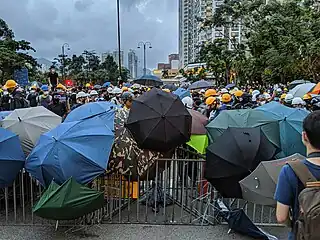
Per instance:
x=57, y=107
x=212, y=104
x=122, y=114
x=288, y=100
x=33, y=97
x=12, y=98
x=297, y=102
x=289, y=185
x=44, y=98
x=53, y=78
x=82, y=98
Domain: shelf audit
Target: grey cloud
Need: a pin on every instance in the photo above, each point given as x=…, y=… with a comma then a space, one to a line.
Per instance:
x=83, y=5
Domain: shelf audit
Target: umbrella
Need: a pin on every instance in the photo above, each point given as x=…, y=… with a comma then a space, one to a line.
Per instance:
x=106, y=84
x=199, y=121
x=171, y=87
x=97, y=87
x=69, y=201
x=149, y=80
x=259, y=187
x=301, y=89
x=159, y=121
x=127, y=85
x=199, y=143
x=78, y=149
x=11, y=157
x=290, y=123
x=136, y=86
x=316, y=89
x=181, y=93
x=244, y=118
x=36, y=84
x=297, y=82
x=128, y=159
x=29, y=124
x=3, y=114
x=103, y=110
x=231, y=85
x=200, y=84
x=226, y=166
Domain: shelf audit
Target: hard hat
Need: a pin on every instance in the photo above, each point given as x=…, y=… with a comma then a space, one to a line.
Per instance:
x=44, y=88
x=124, y=89
x=288, y=98
x=60, y=86
x=210, y=93
x=116, y=90
x=283, y=96
x=93, y=93
x=187, y=102
x=34, y=87
x=88, y=85
x=255, y=92
x=210, y=100
x=226, y=98
x=10, y=84
x=223, y=90
x=202, y=91
x=127, y=96
x=267, y=95
x=238, y=93
x=109, y=89
x=166, y=90
x=81, y=95
x=279, y=90
x=307, y=97
x=297, y=101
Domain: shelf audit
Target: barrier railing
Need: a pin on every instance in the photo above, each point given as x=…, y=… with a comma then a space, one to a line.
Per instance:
x=174, y=191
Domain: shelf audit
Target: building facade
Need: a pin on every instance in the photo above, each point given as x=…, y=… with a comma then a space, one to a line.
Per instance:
x=115, y=55
x=133, y=64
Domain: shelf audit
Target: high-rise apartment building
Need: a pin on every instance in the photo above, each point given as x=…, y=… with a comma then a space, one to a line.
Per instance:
x=133, y=63
x=115, y=55
x=191, y=36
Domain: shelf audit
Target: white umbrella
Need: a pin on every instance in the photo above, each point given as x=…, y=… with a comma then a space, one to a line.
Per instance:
x=29, y=124
x=302, y=89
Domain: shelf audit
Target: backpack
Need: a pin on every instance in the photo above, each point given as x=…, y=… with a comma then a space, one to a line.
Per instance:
x=17, y=102
x=307, y=225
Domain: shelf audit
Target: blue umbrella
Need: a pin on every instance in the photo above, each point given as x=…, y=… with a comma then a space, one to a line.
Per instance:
x=106, y=84
x=181, y=93
x=231, y=85
x=78, y=149
x=3, y=114
x=127, y=85
x=97, y=86
x=103, y=110
x=200, y=85
x=290, y=124
x=149, y=80
x=12, y=158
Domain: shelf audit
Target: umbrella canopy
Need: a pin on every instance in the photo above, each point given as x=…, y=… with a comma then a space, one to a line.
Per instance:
x=149, y=80
x=78, y=149
x=244, y=118
x=3, y=114
x=103, y=110
x=171, y=87
x=106, y=84
x=316, y=89
x=302, y=89
x=69, y=201
x=128, y=159
x=290, y=123
x=181, y=93
x=159, y=121
x=231, y=85
x=12, y=158
x=199, y=143
x=199, y=121
x=97, y=87
x=29, y=124
x=200, y=84
x=297, y=82
x=259, y=187
x=225, y=167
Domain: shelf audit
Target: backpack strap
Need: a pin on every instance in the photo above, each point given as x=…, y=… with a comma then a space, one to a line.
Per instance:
x=302, y=172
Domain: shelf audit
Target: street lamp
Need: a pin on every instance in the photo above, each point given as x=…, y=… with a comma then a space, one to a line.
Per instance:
x=63, y=58
x=144, y=45
x=119, y=39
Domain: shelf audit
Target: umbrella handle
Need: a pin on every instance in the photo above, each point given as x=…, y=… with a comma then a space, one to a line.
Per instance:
x=258, y=182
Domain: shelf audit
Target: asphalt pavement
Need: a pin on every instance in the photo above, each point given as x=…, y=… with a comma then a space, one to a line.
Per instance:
x=128, y=232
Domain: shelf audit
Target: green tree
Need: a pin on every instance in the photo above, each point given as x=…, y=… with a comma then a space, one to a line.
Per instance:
x=111, y=68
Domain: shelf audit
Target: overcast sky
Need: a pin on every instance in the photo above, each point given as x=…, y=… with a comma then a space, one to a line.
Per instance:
x=91, y=24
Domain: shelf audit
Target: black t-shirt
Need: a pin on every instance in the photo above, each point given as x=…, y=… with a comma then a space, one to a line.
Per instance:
x=53, y=78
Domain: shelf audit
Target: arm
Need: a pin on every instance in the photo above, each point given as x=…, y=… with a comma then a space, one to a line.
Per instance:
x=282, y=213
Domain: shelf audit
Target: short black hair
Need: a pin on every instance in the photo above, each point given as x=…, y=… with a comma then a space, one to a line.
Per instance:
x=311, y=125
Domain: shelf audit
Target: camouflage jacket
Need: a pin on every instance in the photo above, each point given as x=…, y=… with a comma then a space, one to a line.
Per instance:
x=121, y=117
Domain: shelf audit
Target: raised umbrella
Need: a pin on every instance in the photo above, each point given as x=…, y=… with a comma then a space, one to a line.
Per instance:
x=78, y=149
x=12, y=158
x=149, y=80
x=235, y=153
x=159, y=121
x=29, y=124
x=259, y=187
x=3, y=115
x=200, y=85
x=106, y=84
x=171, y=87
x=181, y=93
x=302, y=89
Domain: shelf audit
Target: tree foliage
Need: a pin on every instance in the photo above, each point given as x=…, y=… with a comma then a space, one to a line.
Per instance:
x=280, y=40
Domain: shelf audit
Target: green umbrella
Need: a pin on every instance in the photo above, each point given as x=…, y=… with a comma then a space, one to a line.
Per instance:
x=199, y=143
x=69, y=201
x=244, y=118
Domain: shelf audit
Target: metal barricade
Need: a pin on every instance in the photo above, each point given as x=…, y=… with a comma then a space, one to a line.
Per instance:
x=174, y=191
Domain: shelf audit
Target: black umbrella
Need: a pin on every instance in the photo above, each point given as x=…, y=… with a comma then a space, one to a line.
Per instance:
x=200, y=85
x=235, y=153
x=159, y=121
x=171, y=87
x=149, y=80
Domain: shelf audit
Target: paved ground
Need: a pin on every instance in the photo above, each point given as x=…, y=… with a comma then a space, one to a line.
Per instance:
x=127, y=232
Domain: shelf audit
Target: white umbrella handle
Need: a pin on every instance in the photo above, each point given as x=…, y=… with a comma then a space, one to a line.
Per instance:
x=258, y=182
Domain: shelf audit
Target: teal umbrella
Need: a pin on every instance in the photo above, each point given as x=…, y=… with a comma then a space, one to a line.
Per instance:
x=290, y=123
x=244, y=118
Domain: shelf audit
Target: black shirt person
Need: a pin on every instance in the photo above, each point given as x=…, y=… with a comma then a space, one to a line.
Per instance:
x=53, y=78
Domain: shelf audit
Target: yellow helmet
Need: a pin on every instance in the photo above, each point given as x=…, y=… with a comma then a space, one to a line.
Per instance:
x=210, y=100
x=124, y=89
x=10, y=84
x=88, y=85
x=307, y=97
x=210, y=93
x=60, y=86
x=166, y=90
x=283, y=96
x=225, y=98
x=238, y=93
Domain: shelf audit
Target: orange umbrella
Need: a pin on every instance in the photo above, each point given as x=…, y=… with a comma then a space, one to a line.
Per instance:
x=316, y=89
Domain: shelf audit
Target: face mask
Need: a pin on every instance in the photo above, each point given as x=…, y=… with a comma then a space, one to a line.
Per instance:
x=46, y=93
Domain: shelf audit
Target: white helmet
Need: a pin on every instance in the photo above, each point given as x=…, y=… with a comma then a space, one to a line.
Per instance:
x=109, y=89
x=223, y=90
x=187, y=102
x=288, y=98
x=297, y=101
x=117, y=90
x=94, y=93
x=81, y=95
